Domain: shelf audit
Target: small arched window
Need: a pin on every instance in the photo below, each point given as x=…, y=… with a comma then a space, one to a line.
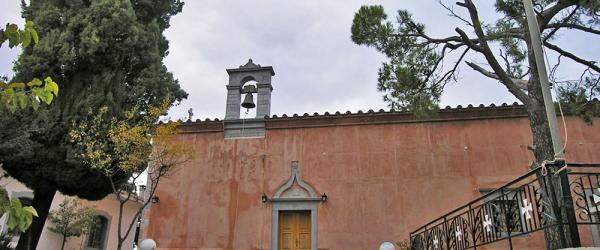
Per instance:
x=97, y=233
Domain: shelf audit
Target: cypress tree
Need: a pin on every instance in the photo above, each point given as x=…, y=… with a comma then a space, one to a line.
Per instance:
x=103, y=53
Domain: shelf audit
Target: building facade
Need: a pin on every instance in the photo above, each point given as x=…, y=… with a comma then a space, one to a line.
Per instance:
x=338, y=181
x=106, y=217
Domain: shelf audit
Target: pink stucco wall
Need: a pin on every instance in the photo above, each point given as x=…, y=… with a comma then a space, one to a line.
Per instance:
x=382, y=180
x=108, y=206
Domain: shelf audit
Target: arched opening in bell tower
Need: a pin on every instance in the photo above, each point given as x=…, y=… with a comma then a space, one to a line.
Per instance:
x=249, y=98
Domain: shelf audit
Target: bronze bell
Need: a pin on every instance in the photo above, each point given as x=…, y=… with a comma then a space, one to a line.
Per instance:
x=248, y=101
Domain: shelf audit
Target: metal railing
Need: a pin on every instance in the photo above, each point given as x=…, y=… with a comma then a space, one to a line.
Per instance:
x=523, y=206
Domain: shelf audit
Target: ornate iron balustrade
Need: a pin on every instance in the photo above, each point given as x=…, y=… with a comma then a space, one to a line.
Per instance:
x=523, y=206
x=585, y=190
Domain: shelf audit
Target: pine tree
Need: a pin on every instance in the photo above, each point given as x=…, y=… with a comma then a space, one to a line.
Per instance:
x=415, y=76
x=103, y=53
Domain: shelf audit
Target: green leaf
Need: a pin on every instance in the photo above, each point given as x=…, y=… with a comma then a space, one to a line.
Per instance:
x=16, y=85
x=34, y=82
x=49, y=99
x=9, y=91
x=12, y=32
x=35, y=103
x=25, y=38
x=3, y=37
x=41, y=94
x=23, y=100
x=11, y=29
x=51, y=86
x=24, y=222
x=29, y=24
x=34, y=35
x=31, y=210
x=12, y=222
x=16, y=203
x=9, y=99
x=13, y=41
x=19, y=217
x=46, y=96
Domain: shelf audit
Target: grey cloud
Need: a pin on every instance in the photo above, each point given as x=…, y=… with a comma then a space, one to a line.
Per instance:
x=317, y=66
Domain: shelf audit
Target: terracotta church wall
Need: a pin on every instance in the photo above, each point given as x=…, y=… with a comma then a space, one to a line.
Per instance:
x=382, y=181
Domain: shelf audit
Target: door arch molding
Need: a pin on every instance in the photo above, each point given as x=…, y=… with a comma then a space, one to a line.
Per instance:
x=295, y=195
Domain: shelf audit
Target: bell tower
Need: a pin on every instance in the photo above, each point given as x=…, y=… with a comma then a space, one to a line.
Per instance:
x=238, y=79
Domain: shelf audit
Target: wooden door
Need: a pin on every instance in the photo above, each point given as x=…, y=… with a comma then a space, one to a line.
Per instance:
x=294, y=230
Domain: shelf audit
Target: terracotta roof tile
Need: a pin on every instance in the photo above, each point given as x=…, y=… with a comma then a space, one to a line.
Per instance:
x=339, y=114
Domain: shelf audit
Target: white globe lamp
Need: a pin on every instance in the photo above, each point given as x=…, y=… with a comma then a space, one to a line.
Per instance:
x=148, y=244
x=387, y=246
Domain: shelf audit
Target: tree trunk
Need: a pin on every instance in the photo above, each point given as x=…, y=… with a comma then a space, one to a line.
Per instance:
x=544, y=150
x=42, y=200
x=63, y=242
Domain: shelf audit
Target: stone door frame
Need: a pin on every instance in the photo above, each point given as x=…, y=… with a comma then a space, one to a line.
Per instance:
x=303, y=198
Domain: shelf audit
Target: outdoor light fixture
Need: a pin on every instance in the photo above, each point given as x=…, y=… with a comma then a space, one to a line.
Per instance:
x=324, y=197
x=155, y=199
x=265, y=198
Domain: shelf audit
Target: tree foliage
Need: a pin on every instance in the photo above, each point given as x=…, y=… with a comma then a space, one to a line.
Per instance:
x=71, y=219
x=16, y=95
x=575, y=96
x=408, y=80
x=136, y=146
x=16, y=36
x=103, y=53
x=19, y=217
x=417, y=70
x=114, y=145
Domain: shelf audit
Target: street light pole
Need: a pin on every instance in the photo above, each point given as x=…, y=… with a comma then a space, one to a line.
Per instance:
x=536, y=43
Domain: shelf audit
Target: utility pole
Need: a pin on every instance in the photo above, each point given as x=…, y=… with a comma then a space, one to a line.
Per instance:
x=562, y=182
x=536, y=42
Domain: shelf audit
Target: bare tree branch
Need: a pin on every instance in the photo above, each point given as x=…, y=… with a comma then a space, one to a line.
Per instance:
x=437, y=63
x=452, y=72
x=522, y=84
x=592, y=64
x=489, y=55
x=506, y=62
x=453, y=13
x=574, y=26
x=561, y=23
x=548, y=14
x=552, y=74
x=469, y=42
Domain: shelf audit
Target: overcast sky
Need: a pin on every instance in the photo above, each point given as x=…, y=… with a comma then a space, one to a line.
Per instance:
x=317, y=67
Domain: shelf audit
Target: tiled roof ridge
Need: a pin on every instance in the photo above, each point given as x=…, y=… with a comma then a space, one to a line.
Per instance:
x=390, y=111
x=469, y=107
